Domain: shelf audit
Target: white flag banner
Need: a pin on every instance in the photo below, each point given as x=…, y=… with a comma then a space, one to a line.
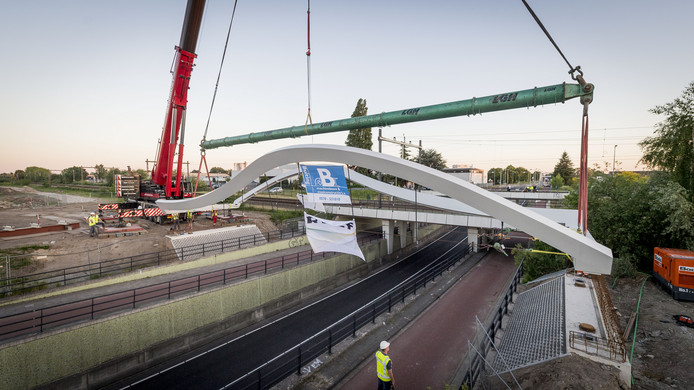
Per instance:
x=318, y=206
x=332, y=236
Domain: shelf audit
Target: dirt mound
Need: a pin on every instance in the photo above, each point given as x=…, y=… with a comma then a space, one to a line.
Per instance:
x=568, y=372
x=662, y=356
x=74, y=247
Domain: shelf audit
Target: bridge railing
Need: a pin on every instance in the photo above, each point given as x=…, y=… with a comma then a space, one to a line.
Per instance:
x=41, y=320
x=474, y=362
x=296, y=359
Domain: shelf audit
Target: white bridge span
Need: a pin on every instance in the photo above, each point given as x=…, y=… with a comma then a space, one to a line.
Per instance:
x=588, y=255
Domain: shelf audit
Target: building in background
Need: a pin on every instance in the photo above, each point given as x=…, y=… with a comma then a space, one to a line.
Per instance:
x=467, y=173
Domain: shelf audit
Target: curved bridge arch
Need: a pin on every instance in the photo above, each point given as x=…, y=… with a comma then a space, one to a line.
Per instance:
x=588, y=255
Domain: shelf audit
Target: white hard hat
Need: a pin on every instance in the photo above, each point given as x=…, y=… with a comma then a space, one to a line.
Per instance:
x=93, y=213
x=384, y=344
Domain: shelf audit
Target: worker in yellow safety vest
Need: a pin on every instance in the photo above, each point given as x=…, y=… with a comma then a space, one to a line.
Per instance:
x=175, y=219
x=384, y=367
x=93, y=228
x=189, y=217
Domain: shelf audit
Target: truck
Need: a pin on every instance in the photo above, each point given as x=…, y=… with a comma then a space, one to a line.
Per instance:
x=166, y=183
x=674, y=270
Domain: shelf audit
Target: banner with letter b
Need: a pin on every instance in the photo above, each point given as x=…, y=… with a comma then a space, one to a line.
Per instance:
x=325, y=184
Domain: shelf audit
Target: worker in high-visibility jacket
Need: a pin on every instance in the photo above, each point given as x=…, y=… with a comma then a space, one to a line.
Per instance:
x=384, y=367
x=93, y=228
x=189, y=217
x=175, y=218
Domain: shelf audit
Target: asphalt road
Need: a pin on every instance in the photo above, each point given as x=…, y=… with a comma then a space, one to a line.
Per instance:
x=427, y=353
x=240, y=354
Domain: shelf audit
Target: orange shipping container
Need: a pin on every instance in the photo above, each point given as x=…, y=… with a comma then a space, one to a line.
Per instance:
x=674, y=268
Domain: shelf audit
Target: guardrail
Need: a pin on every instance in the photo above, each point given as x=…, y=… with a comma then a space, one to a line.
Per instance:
x=96, y=270
x=474, y=362
x=40, y=320
x=598, y=346
x=293, y=360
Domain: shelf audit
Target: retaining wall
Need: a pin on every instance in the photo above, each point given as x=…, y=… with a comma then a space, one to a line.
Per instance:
x=94, y=354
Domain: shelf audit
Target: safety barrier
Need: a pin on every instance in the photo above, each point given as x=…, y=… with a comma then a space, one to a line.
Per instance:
x=293, y=360
x=83, y=273
x=474, y=360
x=598, y=346
x=41, y=320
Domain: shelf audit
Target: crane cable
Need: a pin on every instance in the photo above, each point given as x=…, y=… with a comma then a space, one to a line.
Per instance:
x=542, y=26
x=308, y=65
x=214, y=96
x=583, y=181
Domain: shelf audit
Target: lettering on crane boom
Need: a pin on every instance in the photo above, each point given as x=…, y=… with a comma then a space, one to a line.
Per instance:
x=326, y=124
x=411, y=111
x=507, y=97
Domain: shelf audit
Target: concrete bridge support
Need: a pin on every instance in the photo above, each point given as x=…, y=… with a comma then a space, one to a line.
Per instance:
x=402, y=232
x=472, y=238
x=389, y=234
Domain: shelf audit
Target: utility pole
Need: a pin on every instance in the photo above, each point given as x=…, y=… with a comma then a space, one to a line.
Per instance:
x=614, y=159
x=380, y=136
x=402, y=144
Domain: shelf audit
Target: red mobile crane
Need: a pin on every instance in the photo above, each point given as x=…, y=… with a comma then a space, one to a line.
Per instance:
x=164, y=184
x=176, y=112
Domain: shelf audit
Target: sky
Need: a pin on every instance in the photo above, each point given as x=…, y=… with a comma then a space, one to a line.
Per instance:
x=87, y=82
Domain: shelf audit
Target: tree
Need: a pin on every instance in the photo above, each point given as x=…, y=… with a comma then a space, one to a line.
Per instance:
x=523, y=174
x=565, y=168
x=432, y=159
x=145, y=175
x=495, y=175
x=218, y=170
x=672, y=148
x=360, y=138
x=110, y=175
x=632, y=214
x=38, y=175
x=510, y=174
x=73, y=174
x=536, y=264
x=556, y=182
x=100, y=171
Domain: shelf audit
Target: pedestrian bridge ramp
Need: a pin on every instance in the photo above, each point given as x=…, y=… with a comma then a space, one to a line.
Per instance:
x=536, y=331
x=215, y=241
